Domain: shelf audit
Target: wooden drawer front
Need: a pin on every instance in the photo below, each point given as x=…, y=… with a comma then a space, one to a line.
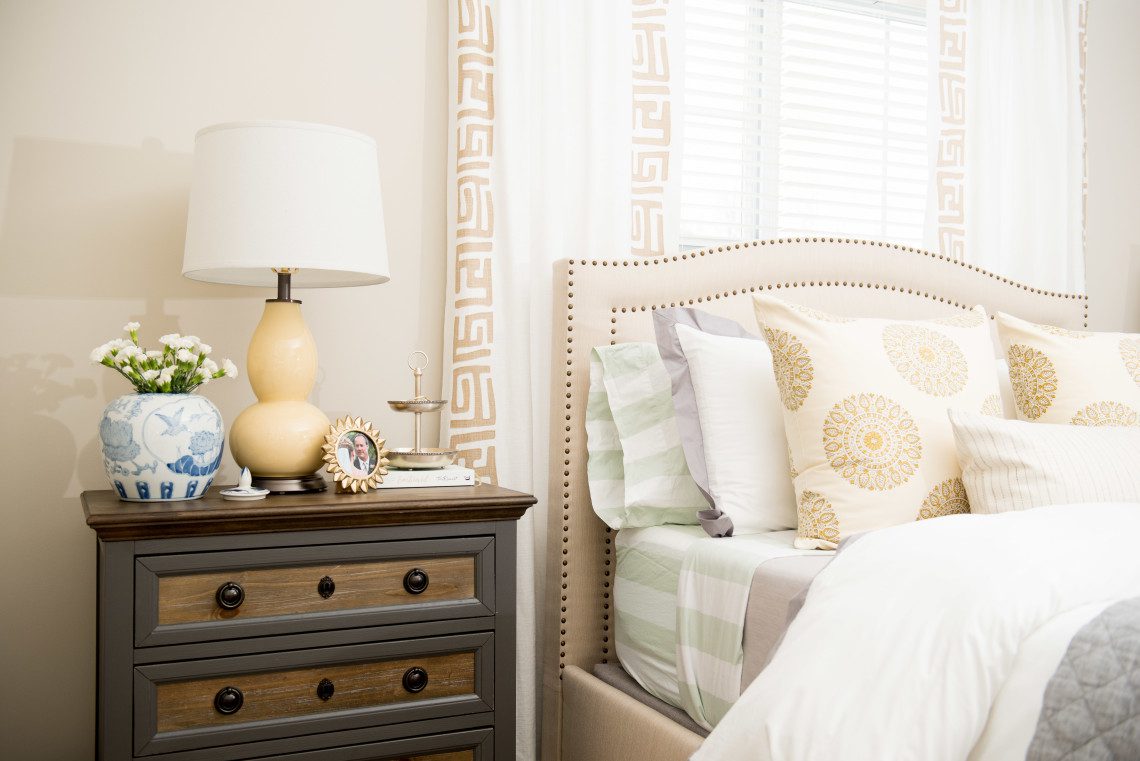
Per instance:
x=295, y=590
x=456, y=755
x=469, y=745
x=339, y=686
x=176, y=602
x=285, y=694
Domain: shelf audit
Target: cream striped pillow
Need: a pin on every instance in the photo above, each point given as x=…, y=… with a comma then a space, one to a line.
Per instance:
x=1011, y=465
x=1072, y=377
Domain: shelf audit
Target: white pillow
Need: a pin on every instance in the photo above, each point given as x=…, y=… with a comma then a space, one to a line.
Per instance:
x=1012, y=465
x=745, y=450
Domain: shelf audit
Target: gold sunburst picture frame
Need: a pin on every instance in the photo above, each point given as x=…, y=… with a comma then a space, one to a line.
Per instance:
x=355, y=455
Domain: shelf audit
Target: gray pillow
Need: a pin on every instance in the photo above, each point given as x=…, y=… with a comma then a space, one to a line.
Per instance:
x=665, y=322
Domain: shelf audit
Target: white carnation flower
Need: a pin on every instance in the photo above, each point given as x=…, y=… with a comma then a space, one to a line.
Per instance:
x=180, y=364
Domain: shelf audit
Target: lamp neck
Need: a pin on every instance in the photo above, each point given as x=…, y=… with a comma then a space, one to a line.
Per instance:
x=284, y=287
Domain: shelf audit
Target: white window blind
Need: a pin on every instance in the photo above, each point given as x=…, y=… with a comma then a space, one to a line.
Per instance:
x=804, y=117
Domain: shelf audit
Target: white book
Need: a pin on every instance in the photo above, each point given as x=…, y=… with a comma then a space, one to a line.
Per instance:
x=411, y=479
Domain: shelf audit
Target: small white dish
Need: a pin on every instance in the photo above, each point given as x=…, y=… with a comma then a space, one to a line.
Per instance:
x=245, y=490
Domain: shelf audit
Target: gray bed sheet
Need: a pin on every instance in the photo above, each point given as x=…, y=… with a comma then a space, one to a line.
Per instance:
x=775, y=595
x=777, y=586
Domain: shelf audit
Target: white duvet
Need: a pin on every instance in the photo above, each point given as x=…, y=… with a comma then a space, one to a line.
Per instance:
x=934, y=640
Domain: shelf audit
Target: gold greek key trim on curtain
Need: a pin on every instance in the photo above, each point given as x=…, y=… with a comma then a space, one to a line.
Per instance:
x=652, y=127
x=471, y=423
x=950, y=163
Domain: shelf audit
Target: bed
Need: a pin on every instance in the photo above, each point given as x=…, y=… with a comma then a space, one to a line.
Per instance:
x=599, y=302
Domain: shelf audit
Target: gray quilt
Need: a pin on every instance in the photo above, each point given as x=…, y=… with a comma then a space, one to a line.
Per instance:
x=1091, y=707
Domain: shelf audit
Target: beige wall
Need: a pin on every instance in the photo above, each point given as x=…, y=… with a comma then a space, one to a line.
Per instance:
x=1112, y=258
x=98, y=107
x=99, y=103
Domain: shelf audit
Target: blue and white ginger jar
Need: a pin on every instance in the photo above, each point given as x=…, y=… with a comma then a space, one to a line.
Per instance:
x=161, y=447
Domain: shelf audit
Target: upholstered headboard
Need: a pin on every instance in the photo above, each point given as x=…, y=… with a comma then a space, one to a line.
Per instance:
x=601, y=302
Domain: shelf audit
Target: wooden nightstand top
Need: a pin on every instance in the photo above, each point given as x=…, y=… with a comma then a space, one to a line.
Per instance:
x=114, y=519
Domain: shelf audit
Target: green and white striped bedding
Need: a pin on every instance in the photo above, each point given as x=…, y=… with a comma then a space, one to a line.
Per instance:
x=680, y=602
x=636, y=468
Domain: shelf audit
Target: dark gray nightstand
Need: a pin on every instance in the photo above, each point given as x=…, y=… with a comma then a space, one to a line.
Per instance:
x=367, y=626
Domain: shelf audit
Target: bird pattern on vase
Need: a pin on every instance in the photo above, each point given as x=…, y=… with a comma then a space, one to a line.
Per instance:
x=161, y=446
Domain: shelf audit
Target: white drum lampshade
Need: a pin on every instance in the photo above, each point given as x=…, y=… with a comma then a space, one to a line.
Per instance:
x=293, y=205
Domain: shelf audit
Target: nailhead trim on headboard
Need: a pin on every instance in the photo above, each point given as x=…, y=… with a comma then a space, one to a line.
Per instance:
x=711, y=251
x=566, y=469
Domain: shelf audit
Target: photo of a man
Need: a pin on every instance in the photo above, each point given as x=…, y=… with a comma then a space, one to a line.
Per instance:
x=356, y=454
x=363, y=460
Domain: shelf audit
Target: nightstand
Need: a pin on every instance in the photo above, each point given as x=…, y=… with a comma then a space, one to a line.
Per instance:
x=329, y=626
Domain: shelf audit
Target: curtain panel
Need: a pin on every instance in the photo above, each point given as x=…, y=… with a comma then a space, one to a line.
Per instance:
x=560, y=144
x=565, y=140
x=1006, y=106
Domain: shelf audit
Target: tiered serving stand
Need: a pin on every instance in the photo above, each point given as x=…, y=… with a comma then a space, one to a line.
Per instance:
x=417, y=457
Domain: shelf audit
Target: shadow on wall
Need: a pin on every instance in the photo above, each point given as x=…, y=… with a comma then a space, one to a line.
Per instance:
x=33, y=391
x=96, y=222
x=90, y=234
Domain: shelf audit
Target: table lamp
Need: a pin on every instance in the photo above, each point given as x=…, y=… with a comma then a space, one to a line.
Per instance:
x=297, y=206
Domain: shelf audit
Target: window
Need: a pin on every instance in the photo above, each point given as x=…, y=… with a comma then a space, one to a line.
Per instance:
x=804, y=117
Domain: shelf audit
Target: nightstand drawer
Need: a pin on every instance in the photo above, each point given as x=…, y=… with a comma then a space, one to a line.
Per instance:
x=458, y=755
x=196, y=704
x=469, y=745
x=219, y=595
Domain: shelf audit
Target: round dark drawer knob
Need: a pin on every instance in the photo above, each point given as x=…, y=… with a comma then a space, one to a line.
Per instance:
x=325, y=587
x=415, y=679
x=228, y=700
x=415, y=581
x=325, y=689
x=230, y=596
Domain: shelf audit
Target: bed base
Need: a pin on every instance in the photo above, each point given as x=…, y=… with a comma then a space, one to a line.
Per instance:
x=602, y=723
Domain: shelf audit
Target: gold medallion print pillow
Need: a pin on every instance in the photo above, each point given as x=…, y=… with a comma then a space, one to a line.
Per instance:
x=865, y=404
x=1072, y=377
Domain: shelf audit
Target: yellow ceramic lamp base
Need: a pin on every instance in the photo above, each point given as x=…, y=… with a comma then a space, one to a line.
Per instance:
x=280, y=437
x=275, y=439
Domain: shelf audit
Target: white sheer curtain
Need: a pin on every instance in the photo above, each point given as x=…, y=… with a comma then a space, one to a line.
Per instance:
x=1008, y=139
x=564, y=141
x=539, y=170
